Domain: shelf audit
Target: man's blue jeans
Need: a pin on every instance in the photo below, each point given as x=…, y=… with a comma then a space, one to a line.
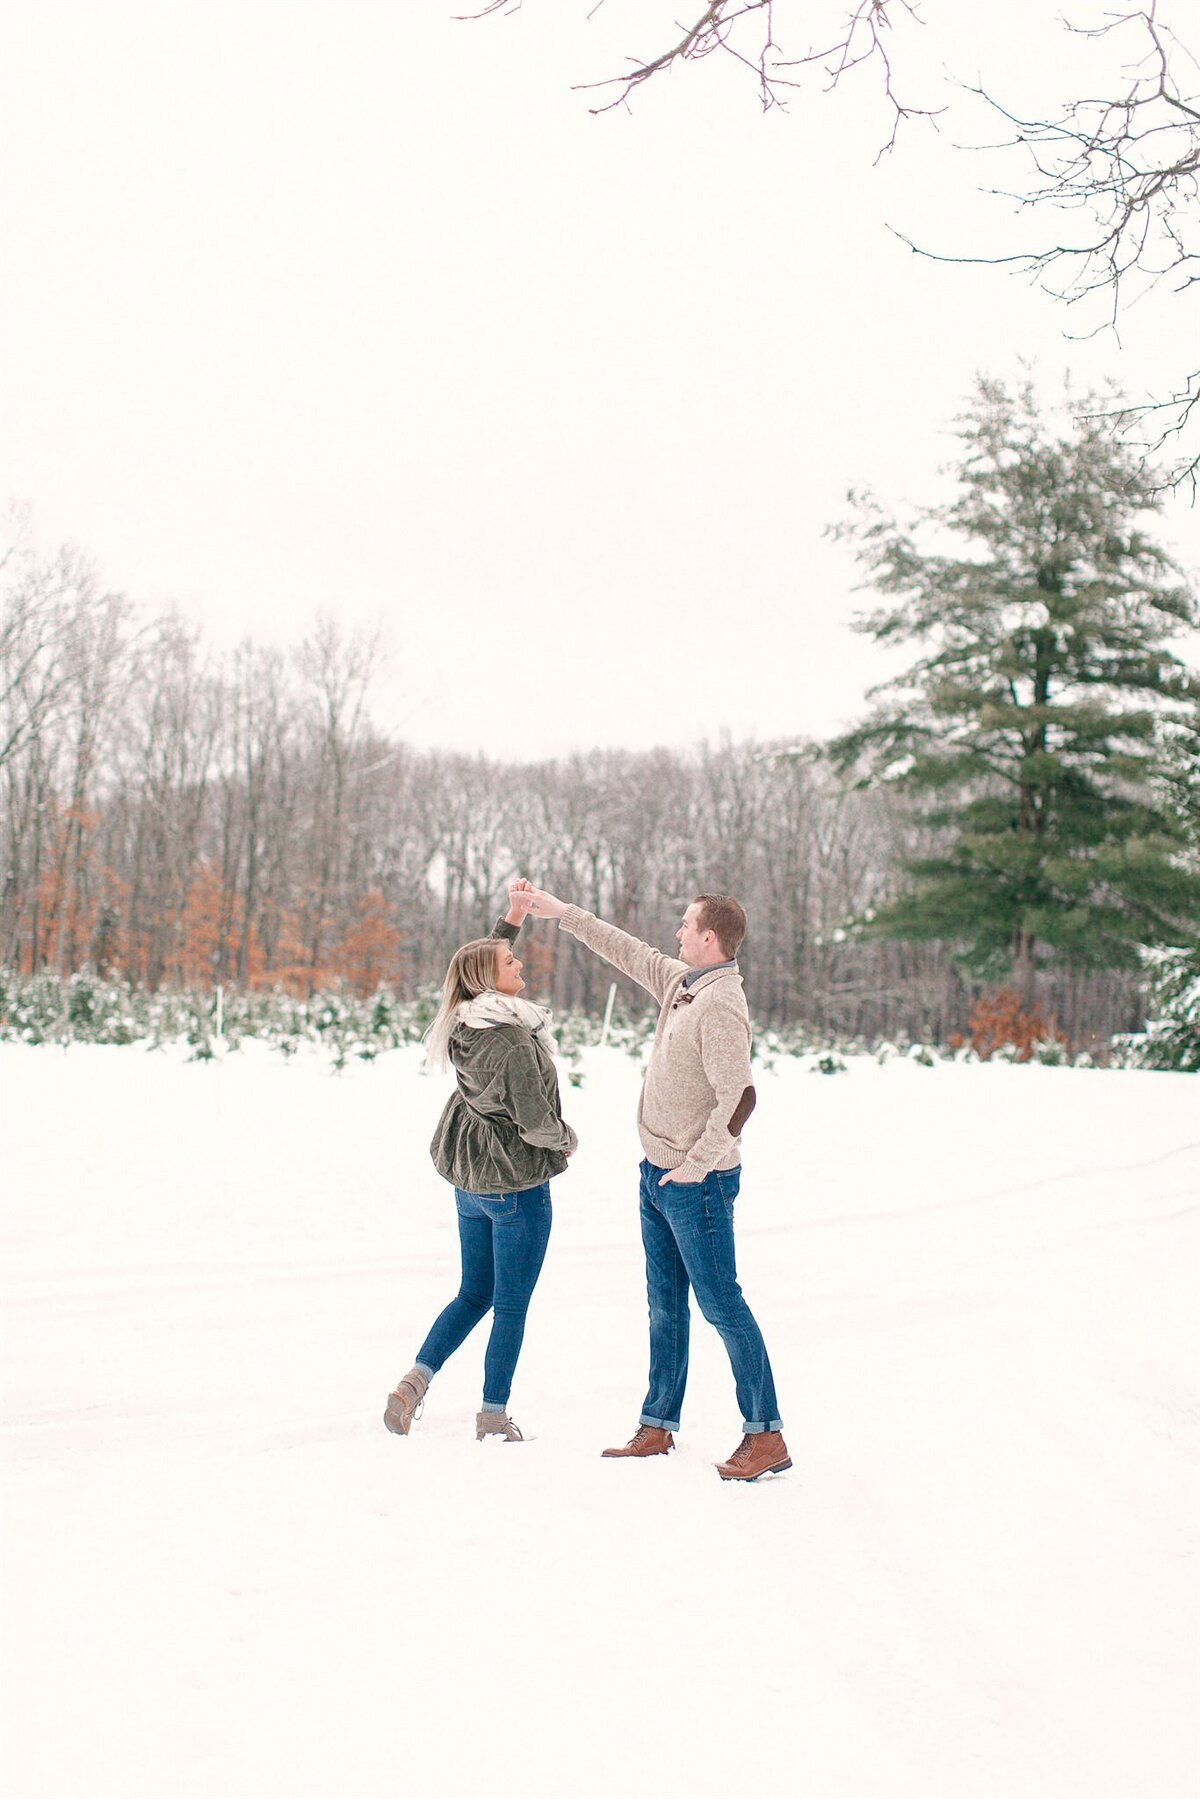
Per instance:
x=503, y=1237
x=687, y=1230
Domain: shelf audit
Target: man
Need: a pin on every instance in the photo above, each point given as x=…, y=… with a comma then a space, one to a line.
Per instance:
x=696, y=1096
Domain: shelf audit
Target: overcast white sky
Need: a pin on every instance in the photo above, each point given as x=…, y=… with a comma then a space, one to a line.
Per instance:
x=356, y=307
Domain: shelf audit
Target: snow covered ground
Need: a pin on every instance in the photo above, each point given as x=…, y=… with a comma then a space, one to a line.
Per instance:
x=224, y=1580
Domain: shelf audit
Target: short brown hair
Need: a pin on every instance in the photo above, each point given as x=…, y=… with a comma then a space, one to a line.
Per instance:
x=723, y=915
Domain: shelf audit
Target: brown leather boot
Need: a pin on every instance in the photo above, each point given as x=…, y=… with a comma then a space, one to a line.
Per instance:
x=646, y=1440
x=763, y=1452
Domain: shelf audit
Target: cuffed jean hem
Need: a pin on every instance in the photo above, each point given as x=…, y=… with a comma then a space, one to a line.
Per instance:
x=425, y=1369
x=660, y=1423
x=756, y=1430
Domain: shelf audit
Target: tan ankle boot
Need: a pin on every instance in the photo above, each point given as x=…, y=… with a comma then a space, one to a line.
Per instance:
x=646, y=1440
x=404, y=1402
x=760, y=1452
x=496, y=1424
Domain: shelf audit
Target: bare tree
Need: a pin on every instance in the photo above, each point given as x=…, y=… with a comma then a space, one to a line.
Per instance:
x=61, y=640
x=158, y=796
x=337, y=668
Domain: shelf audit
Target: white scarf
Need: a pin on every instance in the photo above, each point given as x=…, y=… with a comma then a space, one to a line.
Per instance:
x=492, y=1008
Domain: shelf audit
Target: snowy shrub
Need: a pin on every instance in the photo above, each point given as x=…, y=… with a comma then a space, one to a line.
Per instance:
x=87, y=1008
x=779, y=1042
x=1172, y=1038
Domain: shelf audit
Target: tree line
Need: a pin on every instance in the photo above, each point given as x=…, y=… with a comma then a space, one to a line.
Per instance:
x=177, y=817
x=1010, y=809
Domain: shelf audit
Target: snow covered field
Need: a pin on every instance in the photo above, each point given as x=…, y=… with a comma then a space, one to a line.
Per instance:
x=224, y=1580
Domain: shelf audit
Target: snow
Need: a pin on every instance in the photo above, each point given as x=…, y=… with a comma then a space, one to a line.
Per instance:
x=223, y=1577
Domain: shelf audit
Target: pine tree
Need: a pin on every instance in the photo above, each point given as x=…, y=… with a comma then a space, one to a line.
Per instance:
x=1026, y=733
x=1173, y=1038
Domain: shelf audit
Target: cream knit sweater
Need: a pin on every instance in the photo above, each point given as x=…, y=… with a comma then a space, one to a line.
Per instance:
x=698, y=1092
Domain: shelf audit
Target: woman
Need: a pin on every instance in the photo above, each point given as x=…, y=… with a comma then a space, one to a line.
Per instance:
x=499, y=1141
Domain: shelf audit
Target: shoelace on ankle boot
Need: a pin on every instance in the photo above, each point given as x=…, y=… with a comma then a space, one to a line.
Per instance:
x=744, y=1450
x=415, y=1405
x=505, y=1427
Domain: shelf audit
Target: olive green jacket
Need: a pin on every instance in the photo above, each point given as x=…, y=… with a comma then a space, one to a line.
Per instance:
x=502, y=1128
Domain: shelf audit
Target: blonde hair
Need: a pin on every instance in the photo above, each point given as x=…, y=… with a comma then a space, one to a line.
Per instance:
x=472, y=971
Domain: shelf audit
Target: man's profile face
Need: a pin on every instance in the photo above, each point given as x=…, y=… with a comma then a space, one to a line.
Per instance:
x=694, y=942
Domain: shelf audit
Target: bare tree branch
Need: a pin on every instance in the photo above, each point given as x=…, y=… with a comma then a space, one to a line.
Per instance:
x=1124, y=167
x=745, y=31
x=1128, y=166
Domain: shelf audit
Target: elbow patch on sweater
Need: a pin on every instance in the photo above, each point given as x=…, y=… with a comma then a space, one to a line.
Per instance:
x=742, y=1111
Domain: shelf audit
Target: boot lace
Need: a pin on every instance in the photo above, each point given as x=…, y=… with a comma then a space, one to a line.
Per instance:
x=505, y=1427
x=413, y=1403
x=744, y=1450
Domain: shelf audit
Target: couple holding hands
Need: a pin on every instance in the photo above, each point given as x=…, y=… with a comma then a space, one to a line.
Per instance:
x=502, y=1138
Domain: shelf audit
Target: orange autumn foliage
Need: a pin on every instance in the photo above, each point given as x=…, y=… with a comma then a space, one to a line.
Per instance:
x=999, y=1020
x=82, y=913
x=368, y=955
x=288, y=966
x=210, y=933
x=66, y=911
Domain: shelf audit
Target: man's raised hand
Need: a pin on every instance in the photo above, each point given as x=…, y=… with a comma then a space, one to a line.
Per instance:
x=546, y=906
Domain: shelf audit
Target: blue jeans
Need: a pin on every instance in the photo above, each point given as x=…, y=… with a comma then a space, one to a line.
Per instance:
x=503, y=1237
x=687, y=1230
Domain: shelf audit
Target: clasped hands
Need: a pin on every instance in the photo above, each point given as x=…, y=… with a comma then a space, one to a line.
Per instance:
x=524, y=898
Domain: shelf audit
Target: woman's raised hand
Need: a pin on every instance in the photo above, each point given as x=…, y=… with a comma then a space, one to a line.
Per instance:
x=520, y=898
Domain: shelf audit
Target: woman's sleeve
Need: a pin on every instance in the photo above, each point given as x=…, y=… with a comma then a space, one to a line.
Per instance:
x=531, y=1105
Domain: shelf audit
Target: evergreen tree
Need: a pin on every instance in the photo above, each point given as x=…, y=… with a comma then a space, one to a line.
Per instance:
x=1026, y=732
x=1173, y=1038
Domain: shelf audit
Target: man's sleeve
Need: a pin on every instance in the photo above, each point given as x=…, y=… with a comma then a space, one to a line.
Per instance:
x=725, y=1054
x=648, y=967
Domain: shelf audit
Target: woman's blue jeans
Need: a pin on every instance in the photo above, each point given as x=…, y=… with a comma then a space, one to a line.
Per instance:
x=503, y=1237
x=687, y=1231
